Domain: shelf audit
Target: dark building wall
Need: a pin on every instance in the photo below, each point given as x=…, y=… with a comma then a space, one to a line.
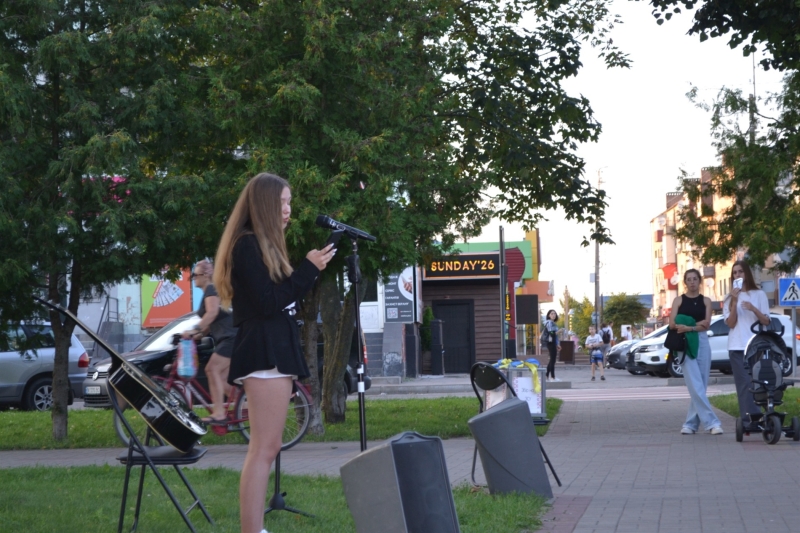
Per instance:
x=486, y=300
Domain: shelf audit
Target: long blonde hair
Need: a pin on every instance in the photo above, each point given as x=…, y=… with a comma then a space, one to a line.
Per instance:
x=258, y=212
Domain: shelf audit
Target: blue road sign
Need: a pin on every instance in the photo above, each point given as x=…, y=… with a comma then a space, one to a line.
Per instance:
x=789, y=292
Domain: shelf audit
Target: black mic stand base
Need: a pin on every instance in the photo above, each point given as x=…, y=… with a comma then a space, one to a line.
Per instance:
x=277, y=503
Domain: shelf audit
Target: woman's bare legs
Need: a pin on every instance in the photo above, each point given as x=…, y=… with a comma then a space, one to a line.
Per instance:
x=217, y=374
x=268, y=401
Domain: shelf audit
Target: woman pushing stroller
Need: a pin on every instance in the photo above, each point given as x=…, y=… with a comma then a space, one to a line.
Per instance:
x=745, y=305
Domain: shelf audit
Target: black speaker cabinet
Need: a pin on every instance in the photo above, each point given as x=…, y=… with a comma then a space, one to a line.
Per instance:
x=509, y=449
x=527, y=309
x=401, y=486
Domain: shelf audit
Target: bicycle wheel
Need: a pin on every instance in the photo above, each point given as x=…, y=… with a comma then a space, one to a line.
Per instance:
x=298, y=416
x=178, y=390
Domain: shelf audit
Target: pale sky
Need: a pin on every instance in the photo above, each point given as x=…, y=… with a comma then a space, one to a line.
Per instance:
x=650, y=131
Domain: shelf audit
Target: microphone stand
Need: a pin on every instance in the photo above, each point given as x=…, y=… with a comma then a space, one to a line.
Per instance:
x=354, y=276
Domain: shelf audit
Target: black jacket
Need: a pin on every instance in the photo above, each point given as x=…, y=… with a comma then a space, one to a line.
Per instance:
x=267, y=335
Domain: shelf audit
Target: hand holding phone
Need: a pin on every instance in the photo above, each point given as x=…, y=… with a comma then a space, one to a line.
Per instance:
x=333, y=238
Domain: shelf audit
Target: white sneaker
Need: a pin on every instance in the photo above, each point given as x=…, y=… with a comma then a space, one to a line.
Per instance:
x=556, y=379
x=716, y=431
x=687, y=431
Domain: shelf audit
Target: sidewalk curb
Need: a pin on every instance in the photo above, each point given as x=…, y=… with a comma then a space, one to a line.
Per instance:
x=713, y=380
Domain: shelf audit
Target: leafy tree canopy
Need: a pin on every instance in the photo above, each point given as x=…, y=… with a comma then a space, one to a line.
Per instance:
x=95, y=124
x=622, y=308
x=582, y=318
x=758, y=179
x=772, y=24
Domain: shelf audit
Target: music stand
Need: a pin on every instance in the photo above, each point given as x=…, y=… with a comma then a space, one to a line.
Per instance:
x=144, y=455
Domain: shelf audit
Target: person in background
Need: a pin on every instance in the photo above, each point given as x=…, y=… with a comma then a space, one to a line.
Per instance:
x=216, y=323
x=253, y=275
x=691, y=315
x=609, y=330
x=745, y=305
x=627, y=335
x=594, y=345
x=550, y=333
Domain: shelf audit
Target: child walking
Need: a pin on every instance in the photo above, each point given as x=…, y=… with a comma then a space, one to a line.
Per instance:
x=594, y=343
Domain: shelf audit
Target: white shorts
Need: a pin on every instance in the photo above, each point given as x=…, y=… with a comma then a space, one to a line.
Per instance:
x=264, y=374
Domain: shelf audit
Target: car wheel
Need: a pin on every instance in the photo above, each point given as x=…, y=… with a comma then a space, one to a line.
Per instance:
x=39, y=395
x=674, y=368
x=637, y=372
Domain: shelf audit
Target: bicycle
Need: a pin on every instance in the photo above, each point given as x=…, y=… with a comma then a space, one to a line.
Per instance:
x=191, y=393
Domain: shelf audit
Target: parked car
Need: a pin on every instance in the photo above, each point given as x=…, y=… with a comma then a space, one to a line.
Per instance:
x=653, y=357
x=158, y=351
x=26, y=367
x=617, y=355
x=626, y=358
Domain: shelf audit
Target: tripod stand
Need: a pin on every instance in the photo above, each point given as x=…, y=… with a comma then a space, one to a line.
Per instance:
x=277, y=503
x=354, y=276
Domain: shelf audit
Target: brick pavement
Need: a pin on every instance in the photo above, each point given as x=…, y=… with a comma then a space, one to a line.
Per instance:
x=624, y=466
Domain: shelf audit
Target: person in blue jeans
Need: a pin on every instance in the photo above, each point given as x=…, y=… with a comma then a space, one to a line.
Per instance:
x=594, y=344
x=696, y=366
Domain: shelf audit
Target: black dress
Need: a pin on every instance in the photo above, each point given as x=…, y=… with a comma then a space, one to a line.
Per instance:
x=267, y=336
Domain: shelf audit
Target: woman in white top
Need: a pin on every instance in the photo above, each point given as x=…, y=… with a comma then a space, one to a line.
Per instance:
x=745, y=305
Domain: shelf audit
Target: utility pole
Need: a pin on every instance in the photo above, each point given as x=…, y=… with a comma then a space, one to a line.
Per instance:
x=597, y=305
x=566, y=311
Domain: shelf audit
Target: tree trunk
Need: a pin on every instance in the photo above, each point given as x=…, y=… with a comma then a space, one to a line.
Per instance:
x=310, y=309
x=331, y=311
x=337, y=326
x=62, y=333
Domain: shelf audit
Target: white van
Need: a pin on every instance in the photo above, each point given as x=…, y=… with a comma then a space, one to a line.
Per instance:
x=651, y=355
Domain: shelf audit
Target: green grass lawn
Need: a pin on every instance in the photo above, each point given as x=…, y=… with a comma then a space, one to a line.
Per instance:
x=93, y=428
x=730, y=404
x=87, y=500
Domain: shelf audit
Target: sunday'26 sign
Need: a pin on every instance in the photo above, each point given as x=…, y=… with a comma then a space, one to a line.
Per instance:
x=464, y=266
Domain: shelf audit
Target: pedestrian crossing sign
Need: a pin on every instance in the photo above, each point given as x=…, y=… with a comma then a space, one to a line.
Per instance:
x=789, y=291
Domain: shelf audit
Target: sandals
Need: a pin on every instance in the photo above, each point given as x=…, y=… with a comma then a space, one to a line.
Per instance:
x=215, y=421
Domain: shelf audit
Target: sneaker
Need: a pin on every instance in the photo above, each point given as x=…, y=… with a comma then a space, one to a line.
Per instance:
x=716, y=431
x=687, y=431
x=556, y=379
x=592, y=378
x=602, y=378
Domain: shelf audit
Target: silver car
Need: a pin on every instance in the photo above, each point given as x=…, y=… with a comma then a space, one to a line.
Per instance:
x=26, y=379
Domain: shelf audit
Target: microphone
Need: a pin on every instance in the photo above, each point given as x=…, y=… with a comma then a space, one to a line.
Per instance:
x=324, y=221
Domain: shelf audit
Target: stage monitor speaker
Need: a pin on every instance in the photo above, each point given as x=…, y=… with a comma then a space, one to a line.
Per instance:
x=401, y=486
x=509, y=449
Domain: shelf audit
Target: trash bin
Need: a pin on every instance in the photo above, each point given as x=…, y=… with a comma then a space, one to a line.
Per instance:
x=567, y=353
x=522, y=381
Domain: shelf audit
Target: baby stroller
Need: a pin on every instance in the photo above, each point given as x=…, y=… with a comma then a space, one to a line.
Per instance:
x=765, y=357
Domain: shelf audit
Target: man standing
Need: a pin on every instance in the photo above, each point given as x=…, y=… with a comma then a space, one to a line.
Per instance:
x=607, y=334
